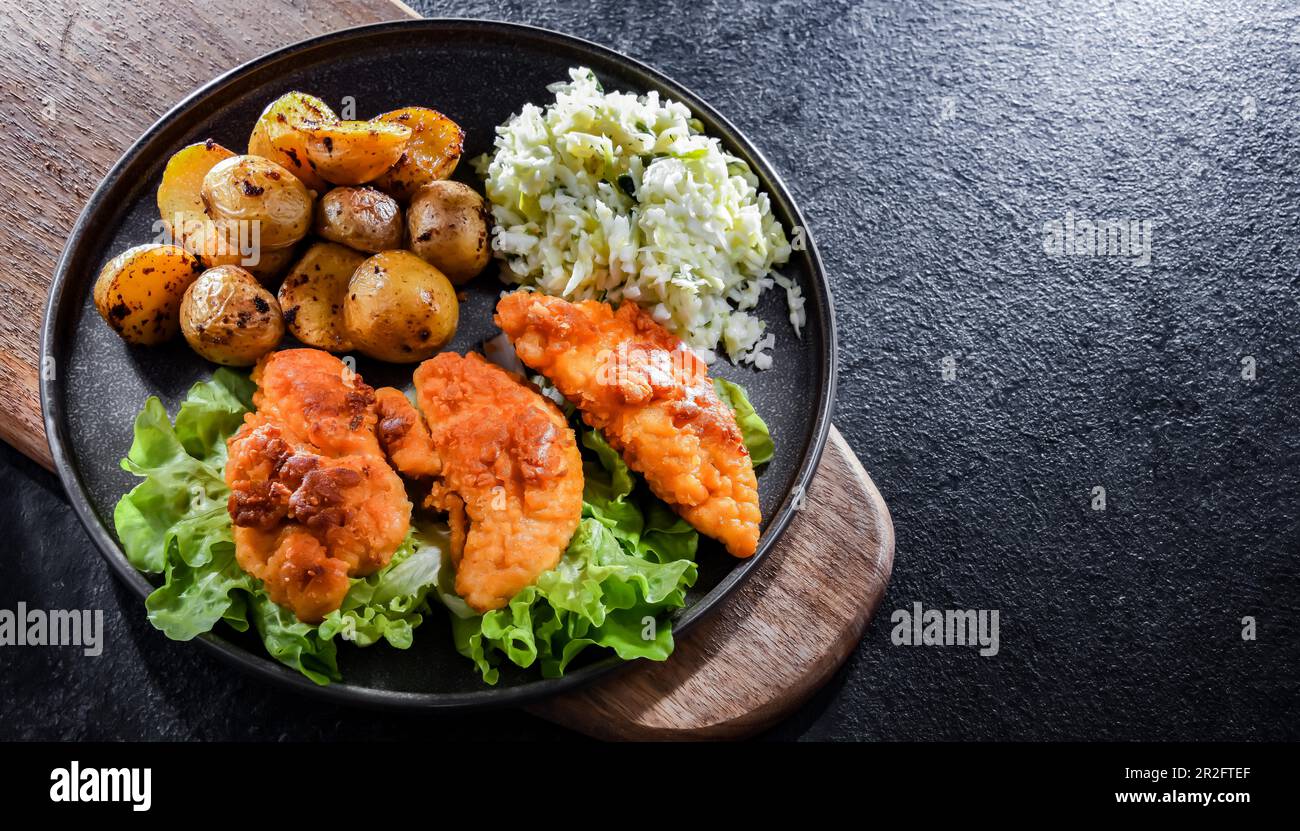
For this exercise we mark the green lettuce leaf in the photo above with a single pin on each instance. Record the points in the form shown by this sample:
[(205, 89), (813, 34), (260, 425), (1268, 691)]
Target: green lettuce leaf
[(626, 569), (391, 603), (292, 642), (607, 486), (600, 594), (752, 428)]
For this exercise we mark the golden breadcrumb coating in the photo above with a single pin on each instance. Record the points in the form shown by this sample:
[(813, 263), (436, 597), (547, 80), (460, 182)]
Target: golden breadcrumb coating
[(504, 466), (651, 397), (313, 499)]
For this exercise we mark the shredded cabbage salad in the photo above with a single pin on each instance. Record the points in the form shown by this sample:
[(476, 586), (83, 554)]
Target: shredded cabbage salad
[(614, 196)]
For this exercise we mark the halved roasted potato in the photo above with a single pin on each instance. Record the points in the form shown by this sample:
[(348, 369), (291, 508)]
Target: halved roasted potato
[(277, 135), (431, 154), (230, 318), (354, 152), (180, 201), (139, 291), (399, 308), (273, 205), (312, 295)]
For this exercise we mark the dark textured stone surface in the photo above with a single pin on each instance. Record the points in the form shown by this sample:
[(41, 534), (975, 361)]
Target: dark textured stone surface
[(927, 147)]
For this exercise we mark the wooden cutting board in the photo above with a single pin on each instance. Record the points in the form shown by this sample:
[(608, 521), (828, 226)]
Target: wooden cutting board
[(82, 82)]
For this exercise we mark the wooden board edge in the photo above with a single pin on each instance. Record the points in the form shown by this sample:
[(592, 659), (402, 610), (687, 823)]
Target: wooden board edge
[(406, 10), (34, 447), (767, 717)]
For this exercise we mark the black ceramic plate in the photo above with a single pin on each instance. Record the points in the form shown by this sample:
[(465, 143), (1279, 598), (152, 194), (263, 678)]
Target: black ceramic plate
[(479, 73)]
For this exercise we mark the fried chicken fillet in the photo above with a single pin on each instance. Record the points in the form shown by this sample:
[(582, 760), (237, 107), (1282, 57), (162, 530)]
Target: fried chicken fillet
[(313, 498), (652, 398), (503, 464)]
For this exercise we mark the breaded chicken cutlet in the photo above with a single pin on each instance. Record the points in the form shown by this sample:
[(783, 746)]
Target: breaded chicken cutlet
[(501, 461), (652, 398), (313, 499)]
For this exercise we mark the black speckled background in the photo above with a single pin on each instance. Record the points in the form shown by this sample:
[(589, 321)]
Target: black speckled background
[(927, 145)]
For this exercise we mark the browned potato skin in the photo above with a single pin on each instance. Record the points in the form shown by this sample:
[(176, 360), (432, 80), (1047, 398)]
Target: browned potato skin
[(362, 218), (214, 242), (179, 192), (312, 294), (447, 224), (139, 292), (251, 189), (354, 152), (278, 136), (269, 266), (399, 308), (230, 318), (431, 155), (180, 203)]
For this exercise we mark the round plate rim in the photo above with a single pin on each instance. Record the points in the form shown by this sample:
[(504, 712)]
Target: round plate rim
[(263, 666)]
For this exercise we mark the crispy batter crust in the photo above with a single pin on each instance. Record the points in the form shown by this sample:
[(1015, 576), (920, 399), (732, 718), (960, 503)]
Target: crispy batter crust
[(652, 399), (506, 470), (312, 497)]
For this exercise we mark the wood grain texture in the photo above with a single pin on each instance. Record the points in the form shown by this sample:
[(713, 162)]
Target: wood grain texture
[(777, 639), (81, 82)]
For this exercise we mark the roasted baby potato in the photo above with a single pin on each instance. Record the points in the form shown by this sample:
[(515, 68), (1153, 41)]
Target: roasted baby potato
[(430, 156), (269, 266), (139, 291), (230, 318), (362, 218), (180, 201), (354, 152), (312, 294), (182, 180), (215, 242), (447, 224), (277, 135), (399, 308), (273, 204)]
